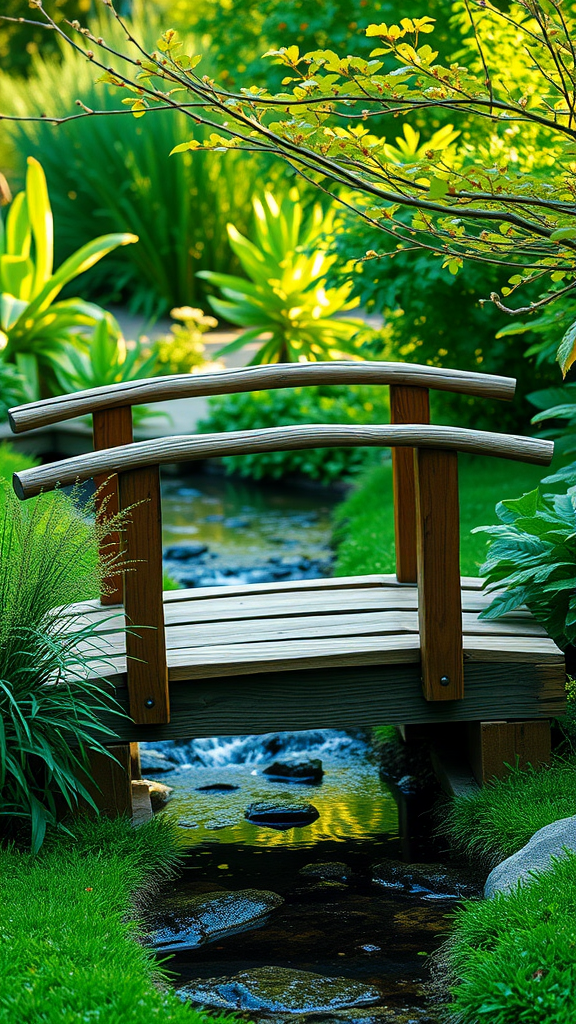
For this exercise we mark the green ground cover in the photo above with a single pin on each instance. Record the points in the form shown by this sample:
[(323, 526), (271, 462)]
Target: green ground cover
[(364, 524), (68, 928), (512, 959)]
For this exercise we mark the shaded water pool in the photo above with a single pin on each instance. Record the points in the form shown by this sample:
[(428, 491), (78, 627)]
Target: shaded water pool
[(342, 904)]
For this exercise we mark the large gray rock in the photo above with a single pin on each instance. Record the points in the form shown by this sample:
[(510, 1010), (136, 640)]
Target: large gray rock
[(280, 990), (537, 855), (430, 881), (198, 919)]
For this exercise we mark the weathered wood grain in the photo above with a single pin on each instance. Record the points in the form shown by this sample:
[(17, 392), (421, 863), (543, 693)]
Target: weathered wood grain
[(344, 698), (439, 599), (256, 378), (407, 405), (110, 428), (496, 747), (301, 437), (145, 639)]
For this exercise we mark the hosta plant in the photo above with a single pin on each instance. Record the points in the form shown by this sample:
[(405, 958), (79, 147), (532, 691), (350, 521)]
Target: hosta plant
[(285, 298), (36, 331), (49, 703), (532, 559), (558, 404)]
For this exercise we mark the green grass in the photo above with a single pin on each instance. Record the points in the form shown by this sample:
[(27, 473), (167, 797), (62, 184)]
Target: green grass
[(68, 938), (502, 816), (364, 530), (512, 959)]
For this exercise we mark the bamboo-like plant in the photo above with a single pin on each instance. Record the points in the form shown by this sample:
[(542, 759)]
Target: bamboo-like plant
[(51, 660)]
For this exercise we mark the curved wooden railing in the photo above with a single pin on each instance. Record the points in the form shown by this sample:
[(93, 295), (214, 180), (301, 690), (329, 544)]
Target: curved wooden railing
[(256, 378), (189, 448), (437, 532)]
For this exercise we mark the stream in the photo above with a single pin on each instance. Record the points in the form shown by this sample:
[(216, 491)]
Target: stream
[(311, 891)]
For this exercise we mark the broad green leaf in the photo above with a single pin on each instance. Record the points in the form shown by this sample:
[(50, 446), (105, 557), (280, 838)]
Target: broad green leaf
[(41, 223), (16, 276), (566, 355), (560, 233), (18, 233), (438, 188), (82, 260)]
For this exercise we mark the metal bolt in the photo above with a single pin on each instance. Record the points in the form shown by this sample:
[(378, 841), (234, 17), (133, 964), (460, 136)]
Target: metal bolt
[(149, 703), (444, 681)]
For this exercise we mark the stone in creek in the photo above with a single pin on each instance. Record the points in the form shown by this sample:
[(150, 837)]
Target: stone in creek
[(182, 552), (191, 921), (159, 794), (237, 523), (431, 881), (280, 990), (330, 870), (281, 816), (153, 761), (296, 771), (216, 787)]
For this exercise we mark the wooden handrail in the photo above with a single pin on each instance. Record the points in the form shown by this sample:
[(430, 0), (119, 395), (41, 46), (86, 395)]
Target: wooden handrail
[(256, 378), (186, 448)]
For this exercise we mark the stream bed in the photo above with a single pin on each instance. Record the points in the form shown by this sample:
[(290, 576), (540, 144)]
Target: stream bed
[(310, 892)]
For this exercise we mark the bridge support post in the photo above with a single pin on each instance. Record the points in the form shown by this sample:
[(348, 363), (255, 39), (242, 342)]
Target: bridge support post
[(407, 405), (439, 597), (495, 747)]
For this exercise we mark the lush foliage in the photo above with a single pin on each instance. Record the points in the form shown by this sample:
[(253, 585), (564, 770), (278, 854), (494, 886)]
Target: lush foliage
[(364, 526), (113, 172), (501, 193), (285, 298), (335, 404), (36, 332), (558, 404), (511, 958), (502, 816), (182, 351), (532, 558), (19, 42), (48, 706), (106, 359), (69, 936)]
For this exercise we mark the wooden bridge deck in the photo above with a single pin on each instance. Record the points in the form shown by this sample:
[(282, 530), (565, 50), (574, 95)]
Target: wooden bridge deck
[(308, 624), (325, 653)]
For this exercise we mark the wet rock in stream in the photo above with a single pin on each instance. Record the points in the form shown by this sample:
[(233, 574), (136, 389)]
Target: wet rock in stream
[(280, 990), (281, 816), (309, 772), (330, 870), (195, 919), (431, 881)]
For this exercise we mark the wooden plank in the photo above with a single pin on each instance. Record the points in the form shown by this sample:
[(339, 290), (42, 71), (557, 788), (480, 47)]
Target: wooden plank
[(145, 640), (109, 785), (439, 596), (110, 428), (301, 437), (496, 747), (407, 405), (283, 605), (255, 378), (453, 772), (191, 635), (345, 698), (295, 655)]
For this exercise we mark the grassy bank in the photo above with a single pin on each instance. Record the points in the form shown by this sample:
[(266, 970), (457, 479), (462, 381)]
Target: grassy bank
[(512, 959), (364, 531), (68, 934)]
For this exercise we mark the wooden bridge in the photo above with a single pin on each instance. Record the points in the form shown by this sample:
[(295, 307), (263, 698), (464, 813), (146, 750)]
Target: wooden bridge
[(408, 649)]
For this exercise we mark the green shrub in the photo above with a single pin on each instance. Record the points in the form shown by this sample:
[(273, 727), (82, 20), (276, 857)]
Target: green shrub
[(498, 819), (48, 705), (285, 299), (532, 559), (336, 404), (511, 959), (117, 174)]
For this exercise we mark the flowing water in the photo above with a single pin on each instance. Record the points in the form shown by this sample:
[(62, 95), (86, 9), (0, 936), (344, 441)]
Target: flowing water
[(326, 916)]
